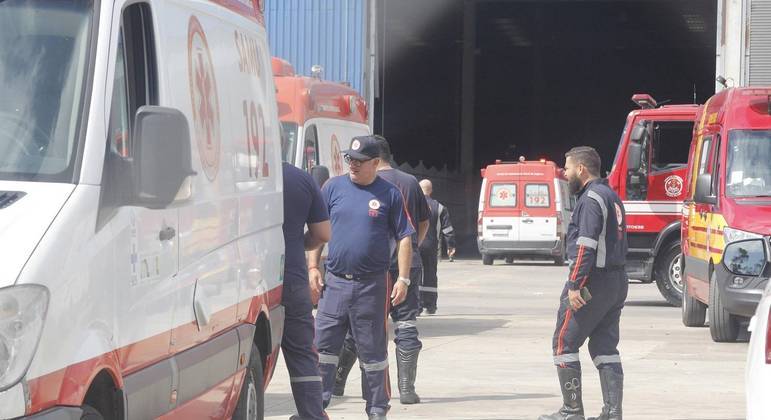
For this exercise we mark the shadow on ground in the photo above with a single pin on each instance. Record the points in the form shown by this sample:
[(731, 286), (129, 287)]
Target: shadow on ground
[(449, 326)]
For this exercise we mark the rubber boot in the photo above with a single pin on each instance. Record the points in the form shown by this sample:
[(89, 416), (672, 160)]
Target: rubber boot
[(344, 365), (407, 369), (376, 416), (572, 405), (612, 385)]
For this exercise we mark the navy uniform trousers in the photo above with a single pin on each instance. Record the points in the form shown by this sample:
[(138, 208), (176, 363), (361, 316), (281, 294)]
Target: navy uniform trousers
[(598, 321), (361, 304), (299, 354)]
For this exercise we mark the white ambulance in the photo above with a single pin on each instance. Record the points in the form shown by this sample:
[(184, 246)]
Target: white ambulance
[(319, 118), (140, 209)]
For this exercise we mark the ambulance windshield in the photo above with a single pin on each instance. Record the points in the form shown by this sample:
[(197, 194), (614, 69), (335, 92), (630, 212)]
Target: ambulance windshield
[(289, 142), (748, 171), (44, 47)]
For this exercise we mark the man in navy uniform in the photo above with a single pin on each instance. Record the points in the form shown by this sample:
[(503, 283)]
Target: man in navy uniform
[(368, 219), (440, 226), (303, 205), (405, 315), (597, 247)]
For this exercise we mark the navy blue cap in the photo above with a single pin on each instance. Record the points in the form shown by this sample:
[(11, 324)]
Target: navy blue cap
[(363, 148)]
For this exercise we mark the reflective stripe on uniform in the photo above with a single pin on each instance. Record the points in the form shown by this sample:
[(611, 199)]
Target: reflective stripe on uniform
[(428, 289), (566, 358), (586, 241), (328, 359), (601, 240), (300, 379), (448, 230), (601, 360), (374, 367), (406, 324)]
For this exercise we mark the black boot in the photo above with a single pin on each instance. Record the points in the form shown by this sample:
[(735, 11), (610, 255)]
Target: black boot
[(407, 364), (344, 365), (572, 406), (375, 416), (612, 385)]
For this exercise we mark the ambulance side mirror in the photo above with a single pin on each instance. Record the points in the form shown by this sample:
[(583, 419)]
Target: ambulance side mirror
[(163, 166), (703, 193), (634, 157), (320, 174)]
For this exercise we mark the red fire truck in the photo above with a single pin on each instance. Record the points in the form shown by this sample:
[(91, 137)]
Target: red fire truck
[(648, 174)]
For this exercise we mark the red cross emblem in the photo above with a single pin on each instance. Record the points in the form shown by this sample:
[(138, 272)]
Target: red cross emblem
[(204, 99)]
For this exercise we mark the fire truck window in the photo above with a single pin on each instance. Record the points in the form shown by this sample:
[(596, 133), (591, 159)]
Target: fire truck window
[(503, 195), (748, 170), (671, 144), (704, 158), (537, 195), (311, 148)]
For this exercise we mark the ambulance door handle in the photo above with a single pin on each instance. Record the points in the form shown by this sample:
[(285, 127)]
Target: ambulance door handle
[(167, 234)]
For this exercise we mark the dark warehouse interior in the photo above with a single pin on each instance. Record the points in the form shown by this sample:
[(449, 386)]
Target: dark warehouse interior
[(548, 74)]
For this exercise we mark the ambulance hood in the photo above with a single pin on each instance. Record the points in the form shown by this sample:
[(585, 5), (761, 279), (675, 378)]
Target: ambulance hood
[(27, 209)]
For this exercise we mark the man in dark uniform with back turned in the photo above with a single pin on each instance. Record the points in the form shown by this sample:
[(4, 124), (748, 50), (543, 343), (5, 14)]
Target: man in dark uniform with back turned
[(439, 226), (405, 315), (368, 218), (597, 247), (303, 205)]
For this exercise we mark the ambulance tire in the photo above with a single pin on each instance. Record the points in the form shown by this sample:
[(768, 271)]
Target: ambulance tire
[(487, 259), (560, 259), (723, 326), (509, 260), (90, 413), (694, 312), (665, 280), (251, 402)]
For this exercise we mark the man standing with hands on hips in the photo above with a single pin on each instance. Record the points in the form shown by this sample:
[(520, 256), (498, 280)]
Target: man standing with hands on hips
[(591, 302), (368, 217)]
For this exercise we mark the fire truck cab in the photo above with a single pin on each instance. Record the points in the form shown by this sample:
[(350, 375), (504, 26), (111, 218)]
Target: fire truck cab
[(648, 174), (319, 119), (729, 200), (524, 211)]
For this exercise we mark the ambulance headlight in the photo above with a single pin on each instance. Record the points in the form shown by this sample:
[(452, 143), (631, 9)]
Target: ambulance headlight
[(22, 312), (733, 235)]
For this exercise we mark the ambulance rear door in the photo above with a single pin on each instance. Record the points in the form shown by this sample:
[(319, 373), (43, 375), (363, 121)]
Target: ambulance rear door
[(538, 224), (500, 218)]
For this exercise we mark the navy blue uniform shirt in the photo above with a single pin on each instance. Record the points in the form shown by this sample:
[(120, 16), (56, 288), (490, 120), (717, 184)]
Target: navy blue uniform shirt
[(302, 204), (597, 232), (417, 208), (366, 220)]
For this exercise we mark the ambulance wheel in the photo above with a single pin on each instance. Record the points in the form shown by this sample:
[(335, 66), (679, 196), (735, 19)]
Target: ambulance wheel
[(90, 413), (251, 402), (487, 259), (560, 259), (509, 260), (669, 274), (723, 326), (694, 312)]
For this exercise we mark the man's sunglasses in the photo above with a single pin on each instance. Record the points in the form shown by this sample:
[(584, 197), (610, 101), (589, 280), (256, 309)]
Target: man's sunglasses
[(351, 161)]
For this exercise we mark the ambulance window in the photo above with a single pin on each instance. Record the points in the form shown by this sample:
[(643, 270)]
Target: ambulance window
[(503, 195), (134, 85), (537, 195), (671, 144), (311, 148)]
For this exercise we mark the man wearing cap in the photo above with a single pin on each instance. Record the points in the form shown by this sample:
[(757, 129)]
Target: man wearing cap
[(368, 218), (405, 315)]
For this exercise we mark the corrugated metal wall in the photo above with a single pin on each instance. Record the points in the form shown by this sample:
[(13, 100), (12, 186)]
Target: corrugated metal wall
[(759, 69), (331, 33)]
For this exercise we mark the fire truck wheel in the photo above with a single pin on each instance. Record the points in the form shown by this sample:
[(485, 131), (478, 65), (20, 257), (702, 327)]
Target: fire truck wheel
[(669, 275), (251, 402), (90, 413), (723, 326), (694, 312)]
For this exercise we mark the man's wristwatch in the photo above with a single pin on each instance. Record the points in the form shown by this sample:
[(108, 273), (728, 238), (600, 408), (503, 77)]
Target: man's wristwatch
[(405, 280)]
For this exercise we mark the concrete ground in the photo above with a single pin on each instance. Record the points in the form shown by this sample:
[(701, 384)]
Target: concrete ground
[(487, 355)]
